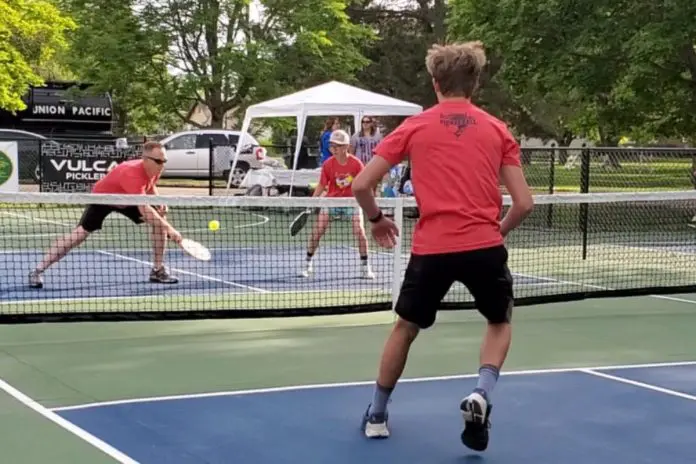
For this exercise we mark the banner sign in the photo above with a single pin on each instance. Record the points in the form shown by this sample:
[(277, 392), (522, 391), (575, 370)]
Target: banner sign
[(9, 179), (76, 167), (68, 112)]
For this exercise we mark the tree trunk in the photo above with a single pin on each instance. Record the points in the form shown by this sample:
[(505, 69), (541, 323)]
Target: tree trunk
[(217, 117), (611, 159)]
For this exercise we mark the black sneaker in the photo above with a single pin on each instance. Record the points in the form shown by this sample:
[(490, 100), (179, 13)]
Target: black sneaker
[(161, 276), (476, 412), (35, 279)]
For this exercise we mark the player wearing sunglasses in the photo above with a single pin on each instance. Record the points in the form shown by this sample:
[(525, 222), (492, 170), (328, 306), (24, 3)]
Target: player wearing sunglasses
[(134, 177)]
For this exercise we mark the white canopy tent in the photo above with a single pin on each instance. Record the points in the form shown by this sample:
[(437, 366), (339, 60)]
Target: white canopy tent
[(329, 99)]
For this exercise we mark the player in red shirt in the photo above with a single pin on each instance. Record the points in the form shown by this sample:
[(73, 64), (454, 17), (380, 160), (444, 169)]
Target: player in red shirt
[(135, 177), (458, 154), (337, 174)]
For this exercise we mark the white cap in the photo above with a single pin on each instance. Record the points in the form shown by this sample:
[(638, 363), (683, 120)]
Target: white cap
[(340, 137)]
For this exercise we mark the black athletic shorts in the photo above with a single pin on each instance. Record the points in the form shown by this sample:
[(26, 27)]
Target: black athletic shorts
[(428, 278), (94, 215)]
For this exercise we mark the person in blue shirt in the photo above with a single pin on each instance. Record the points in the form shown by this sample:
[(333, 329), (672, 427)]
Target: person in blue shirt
[(330, 125)]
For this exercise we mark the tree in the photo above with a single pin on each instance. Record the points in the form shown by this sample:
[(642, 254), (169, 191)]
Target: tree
[(623, 68), (229, 53), (31, 32), (397, 59), (115, 51)]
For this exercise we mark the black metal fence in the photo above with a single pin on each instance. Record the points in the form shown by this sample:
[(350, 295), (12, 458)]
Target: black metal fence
[(74, 165), (559, 170)]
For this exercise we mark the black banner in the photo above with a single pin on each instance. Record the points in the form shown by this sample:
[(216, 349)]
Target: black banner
[(76, 167)]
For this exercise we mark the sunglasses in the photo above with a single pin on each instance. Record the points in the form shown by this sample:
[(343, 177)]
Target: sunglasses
[(157, 160), (367, 121)]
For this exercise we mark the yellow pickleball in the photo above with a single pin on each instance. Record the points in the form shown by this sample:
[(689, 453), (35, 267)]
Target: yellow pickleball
[(213, 225)]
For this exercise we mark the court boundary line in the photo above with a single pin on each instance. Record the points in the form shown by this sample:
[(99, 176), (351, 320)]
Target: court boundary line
[(181, 271), (264, 220), (553, 281), (128, 297), (636, 383), (65, 424), (127, 258), (362, 383), (363, 291), (657, 249)]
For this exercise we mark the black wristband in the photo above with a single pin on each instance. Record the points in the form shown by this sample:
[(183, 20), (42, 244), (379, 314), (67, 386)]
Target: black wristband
[(376, 218)]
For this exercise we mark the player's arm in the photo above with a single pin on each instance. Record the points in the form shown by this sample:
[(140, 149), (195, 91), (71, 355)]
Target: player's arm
[(513, 178), (366, 183), (162, 209), (323, 181), (390, 151), (147, 212), (321, 188), (152, 217)]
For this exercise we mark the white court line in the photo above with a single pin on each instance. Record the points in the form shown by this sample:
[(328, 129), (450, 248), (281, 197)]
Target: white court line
[(30, 218), (364, 383), (20, 301), (635, 383), (299, 248), (264, 219), (655, 249), (127, 258), (67, 425), (552, 281), (106, 237), (181, 271), (139, 297)]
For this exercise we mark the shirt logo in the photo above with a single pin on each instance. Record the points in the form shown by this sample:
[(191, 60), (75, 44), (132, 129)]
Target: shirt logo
[(459, 121), (344, 180)]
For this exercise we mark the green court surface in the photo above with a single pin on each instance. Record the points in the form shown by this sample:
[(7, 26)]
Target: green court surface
[(563, 251), (69, 364)]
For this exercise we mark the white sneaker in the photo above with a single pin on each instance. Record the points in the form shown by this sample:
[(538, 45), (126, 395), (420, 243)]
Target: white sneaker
[(308, 269), (375, 425), (367, 272)]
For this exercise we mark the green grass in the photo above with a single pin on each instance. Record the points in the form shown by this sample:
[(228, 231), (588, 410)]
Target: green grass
[(658, 175)]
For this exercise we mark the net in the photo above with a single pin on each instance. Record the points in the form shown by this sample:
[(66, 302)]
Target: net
[(572, 246)]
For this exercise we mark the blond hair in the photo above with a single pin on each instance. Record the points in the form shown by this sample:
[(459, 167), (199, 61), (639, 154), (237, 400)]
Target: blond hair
[(457, 67)]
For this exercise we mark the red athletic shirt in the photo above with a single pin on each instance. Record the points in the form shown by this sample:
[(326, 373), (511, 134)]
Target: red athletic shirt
[(456, 151), (338, 177), (128, 177)]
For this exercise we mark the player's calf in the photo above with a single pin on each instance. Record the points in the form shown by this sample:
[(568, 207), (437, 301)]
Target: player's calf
[(359, 232)]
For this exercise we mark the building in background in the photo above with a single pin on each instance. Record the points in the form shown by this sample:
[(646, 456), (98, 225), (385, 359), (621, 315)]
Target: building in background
[(63, 110)]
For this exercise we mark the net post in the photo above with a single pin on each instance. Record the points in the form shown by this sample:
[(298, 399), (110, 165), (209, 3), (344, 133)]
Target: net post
[(41, 165), (396, 257), (584, 188), (211, 164), (552, 185)]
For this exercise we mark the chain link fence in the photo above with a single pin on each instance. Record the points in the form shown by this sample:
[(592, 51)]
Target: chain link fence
[(548, 170)]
